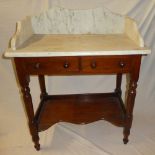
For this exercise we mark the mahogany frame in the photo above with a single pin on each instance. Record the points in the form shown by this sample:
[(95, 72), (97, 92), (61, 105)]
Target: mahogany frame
[(130, 64)]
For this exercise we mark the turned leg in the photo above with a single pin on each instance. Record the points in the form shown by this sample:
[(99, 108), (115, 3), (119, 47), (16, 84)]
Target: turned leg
[(134, 75), (24, 80), (118, 84), (30, 112), (129, 109), (42, 86)]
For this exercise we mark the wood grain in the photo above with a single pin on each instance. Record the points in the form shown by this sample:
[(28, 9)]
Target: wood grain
[(81, 108)]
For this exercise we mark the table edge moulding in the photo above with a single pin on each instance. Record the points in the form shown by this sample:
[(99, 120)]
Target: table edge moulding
[(77, 42)]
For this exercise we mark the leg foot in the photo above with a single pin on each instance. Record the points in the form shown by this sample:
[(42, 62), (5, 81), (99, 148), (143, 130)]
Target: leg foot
[(37, 146), (36, 142), (35, 136), (126, 133), (125, 141)]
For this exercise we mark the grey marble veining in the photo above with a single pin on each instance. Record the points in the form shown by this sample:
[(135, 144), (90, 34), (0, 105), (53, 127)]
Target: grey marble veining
[(67, 21)]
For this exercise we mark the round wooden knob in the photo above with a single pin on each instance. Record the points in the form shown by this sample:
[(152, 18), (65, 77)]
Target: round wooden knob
[(37, 65), (122, 64), (66, 65), (93, 65)]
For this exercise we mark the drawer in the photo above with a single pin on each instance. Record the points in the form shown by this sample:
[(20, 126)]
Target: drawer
[(106, 64), (51, 65)]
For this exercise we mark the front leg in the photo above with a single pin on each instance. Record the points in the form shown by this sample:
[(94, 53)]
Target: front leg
[(129, 109), (30, 112), (134, 76), (24, 80)]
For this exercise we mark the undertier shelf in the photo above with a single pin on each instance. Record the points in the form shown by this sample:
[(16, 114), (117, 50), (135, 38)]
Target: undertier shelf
[(80, 109)]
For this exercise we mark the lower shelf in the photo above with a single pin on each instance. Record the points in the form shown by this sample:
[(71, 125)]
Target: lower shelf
[(81, 108)]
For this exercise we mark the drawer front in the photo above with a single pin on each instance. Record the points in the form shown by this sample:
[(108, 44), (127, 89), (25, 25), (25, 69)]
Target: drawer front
[(106, 64), (52, 65)]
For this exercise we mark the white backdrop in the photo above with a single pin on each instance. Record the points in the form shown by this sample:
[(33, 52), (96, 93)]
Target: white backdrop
[(96, 138)]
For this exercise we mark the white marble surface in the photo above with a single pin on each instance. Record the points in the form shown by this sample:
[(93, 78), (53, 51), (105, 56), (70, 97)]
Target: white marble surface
[(60, 21), (77, 45), (67, 21), (20, 53), (23, 32)]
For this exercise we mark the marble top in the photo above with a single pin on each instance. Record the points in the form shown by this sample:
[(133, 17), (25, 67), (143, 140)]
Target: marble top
[(58, 20), (77, 45), (67, 32)]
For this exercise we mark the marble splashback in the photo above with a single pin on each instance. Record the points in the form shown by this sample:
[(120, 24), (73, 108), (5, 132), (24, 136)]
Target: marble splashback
[(67, 21)]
